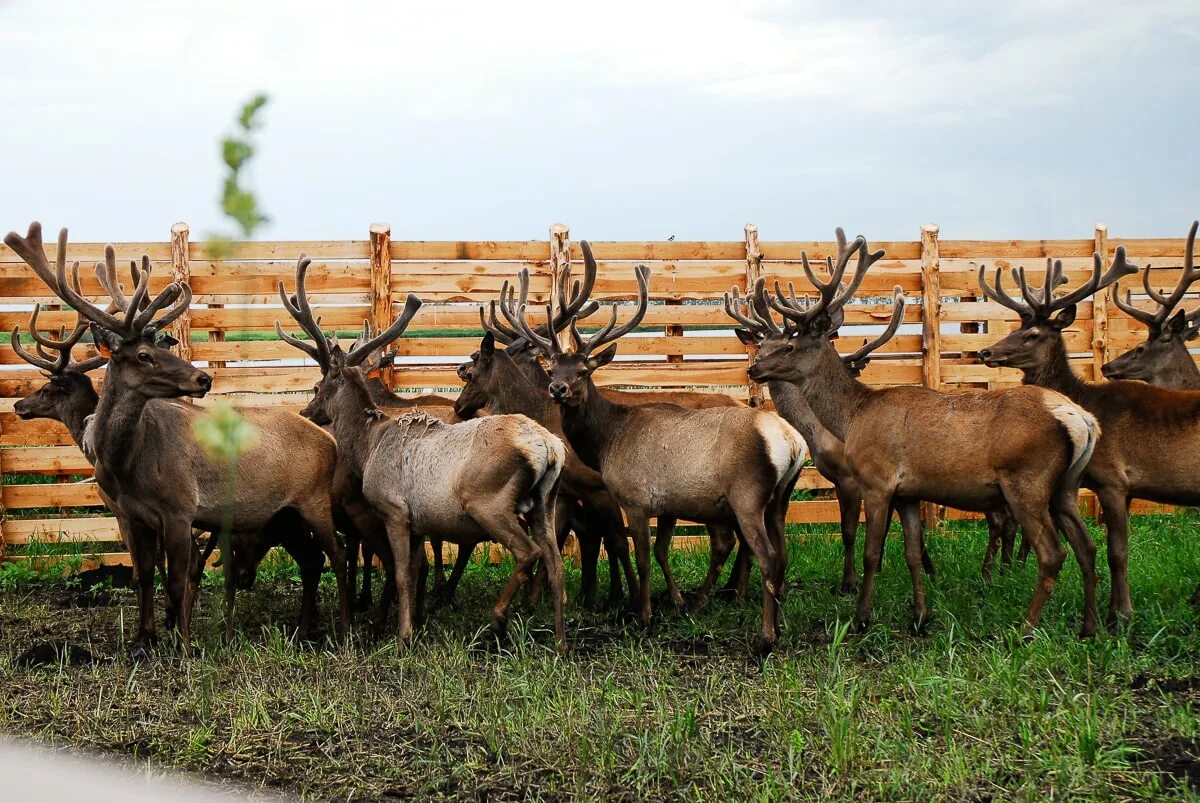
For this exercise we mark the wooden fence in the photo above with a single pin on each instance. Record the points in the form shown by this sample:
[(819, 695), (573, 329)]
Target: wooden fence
[(685, 340)]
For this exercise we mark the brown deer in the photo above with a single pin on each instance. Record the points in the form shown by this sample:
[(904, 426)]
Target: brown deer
[(905, 445), (733, 466), (461, 482), (525, 358), (1136, 419), (828, 453), (373, 369), (1163, 359), (70, 398), (147, 458)]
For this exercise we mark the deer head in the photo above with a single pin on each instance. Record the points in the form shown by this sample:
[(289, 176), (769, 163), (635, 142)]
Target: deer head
[(790, 352), (68, 395), (1163, 358), (1038, 341), (571, 372), (129, 340), (338, 368)]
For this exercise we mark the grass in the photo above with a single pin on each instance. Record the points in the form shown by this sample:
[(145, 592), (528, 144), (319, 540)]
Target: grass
[(968, 711)]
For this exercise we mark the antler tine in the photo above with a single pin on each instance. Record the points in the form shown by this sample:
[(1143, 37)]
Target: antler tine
[(363, 350), (1000, 295), (139, 294), (580, 293), (63, 341), (298, 307), (106, 272), (859, 359), (865, 260), (33, 359), (31, 249), (611, 332), (733, 303), (547, 345), (492, 324), (1119, 267), (1153, 320), (292, 340)]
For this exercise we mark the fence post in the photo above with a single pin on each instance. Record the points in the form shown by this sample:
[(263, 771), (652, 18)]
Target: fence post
[(381, 284), (931, 333), (1100, 309), (181, 271), (560, 259), (754, 391)]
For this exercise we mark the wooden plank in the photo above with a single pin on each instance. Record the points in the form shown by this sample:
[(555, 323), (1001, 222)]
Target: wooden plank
[(754, 257), (931, 333), (70, 494), (1100, 301), (92, 528), (1015, 249), (91, 253), (283, 249), (181, 327), (44, 460)]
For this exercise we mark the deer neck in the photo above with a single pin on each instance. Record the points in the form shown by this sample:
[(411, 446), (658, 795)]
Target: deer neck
[(1056, 374), (118, 430), (80, 406), (356, 423), (592, 426), (381, 394), (833, 396), (1181, 373), (790, 403), (512, 391)]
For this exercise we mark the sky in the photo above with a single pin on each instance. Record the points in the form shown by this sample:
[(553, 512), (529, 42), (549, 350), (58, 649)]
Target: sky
[(625, 120)]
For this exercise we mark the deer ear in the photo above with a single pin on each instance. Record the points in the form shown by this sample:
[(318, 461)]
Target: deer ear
[(602, 359), (487, 346), (822, 324), (1063, 318), (746, 336), (104, 345), (1175, 326), (374, 373)]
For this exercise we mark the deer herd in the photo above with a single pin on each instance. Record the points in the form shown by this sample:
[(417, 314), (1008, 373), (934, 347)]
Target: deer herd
[(532, 449)]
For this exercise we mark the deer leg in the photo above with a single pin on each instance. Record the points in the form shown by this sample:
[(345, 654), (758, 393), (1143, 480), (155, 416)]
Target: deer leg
[(849, 505), (1114, 505), (639, 530), (368, 577), (758, 539), (563, 530), (181, 582), (439, 568), (604, 515), (738, 584), (879, 512), (662, 550), (775, 517), (418, 570), (1066, 515), (568, 517), (461, 561), (1008, 537), (910, 523), (387, 594), (399, 539), (509, 532), (353, 546), (304, 550), (318, 515), (542, 524), (720, 544), (1039, 529), (143, 544), (995, 539)]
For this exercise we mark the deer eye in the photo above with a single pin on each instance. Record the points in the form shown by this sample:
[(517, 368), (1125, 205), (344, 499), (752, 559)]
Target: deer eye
[(145, 357)]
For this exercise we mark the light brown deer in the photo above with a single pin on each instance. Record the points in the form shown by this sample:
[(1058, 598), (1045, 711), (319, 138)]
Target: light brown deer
[(1021, 447), (1130, 461), (732, 466), (1163, 359), (462, 482), (147, 458)]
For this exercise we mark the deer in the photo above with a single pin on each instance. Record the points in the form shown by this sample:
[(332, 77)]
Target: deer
[(905, 445), (1136, 418), (490, 378), (463, 482), (373, 368), (730, 466), (70, 398), (1163, 359), (757, 324), (147, 458)]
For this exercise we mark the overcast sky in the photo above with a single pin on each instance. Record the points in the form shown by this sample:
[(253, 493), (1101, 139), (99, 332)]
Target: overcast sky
[(626, 120)]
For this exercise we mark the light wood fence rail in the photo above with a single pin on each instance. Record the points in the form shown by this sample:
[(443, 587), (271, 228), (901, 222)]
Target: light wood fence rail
[(685, 340)]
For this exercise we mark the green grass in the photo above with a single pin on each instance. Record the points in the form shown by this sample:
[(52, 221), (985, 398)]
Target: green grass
[(968, 711)]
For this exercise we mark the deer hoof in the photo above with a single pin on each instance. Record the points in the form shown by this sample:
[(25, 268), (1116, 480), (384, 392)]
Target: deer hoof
[(763, 647)]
